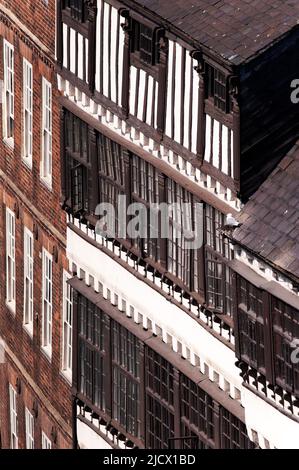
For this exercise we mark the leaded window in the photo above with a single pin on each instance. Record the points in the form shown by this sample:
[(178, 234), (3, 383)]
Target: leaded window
[(144, 42), (216, 87), (233, 432), (197, 411), (218, 284), (91, 322), (111, 179), (179, 255), (76, 163), (159, 400), (251, 324), (126, 387), (286, 330), (78, 9), (145, 188)]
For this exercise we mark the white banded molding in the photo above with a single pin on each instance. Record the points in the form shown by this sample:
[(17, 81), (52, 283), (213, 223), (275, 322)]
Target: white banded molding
[(121, 127), (75, 52), (182, 97), (109, 52)]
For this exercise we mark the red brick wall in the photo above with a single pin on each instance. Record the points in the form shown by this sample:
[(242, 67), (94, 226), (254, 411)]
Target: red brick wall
[(38, 16), (37, 207)]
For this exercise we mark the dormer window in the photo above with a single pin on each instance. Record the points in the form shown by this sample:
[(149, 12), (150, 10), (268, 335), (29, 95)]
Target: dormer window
[(216, 87), (78, 9)]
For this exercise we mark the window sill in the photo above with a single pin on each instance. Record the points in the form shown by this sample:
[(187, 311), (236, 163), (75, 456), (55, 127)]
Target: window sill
[(9, 142), (27, 162), (67, 375), (47, 351), (11, 306), (47, 182), (29, 329)]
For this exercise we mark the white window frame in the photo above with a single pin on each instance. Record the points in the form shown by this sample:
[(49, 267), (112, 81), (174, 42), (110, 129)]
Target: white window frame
[(27, 112), (8, 92), (46, 157), (46, 442), (13, 417), (29, 429), (28, 280), (67, 318), (10, 260), (47, 298)]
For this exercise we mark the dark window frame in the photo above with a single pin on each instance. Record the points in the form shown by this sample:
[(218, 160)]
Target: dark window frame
[(197, 414), (218, 275), (250, 319), (159, 387), (233, 433), (145, 45), (126, 377), (217, 88), (145, 190), (285, 324), (91, 350), (77, 9), (111, 174), (76, 156)]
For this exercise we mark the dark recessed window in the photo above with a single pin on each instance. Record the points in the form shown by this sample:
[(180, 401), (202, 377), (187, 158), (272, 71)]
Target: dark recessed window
[(219, 284), (285, 329), (76, 162), (159, 400), (78, 9), (197, 410), (216, 87), (218, 274), (145, 42), (251, 324), (111, 180), (126, 387), (145, 188), (91, 352), (233, 432)]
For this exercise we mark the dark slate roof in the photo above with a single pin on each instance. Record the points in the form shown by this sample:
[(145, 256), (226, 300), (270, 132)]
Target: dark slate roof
[(235, 29), (270, 219)]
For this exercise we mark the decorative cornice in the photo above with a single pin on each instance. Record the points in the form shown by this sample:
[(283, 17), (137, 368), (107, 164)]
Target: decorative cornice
[(25, 38)]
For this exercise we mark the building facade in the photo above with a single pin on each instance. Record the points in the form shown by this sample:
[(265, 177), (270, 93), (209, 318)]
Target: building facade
[(168, 103), (35, 390), (127, 338)]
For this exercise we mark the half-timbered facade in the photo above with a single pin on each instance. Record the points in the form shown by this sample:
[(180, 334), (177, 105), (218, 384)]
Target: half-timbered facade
[(160, 110)]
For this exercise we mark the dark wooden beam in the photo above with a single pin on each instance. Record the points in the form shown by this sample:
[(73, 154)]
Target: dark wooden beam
[(268, 338), (93, 171), (62, 156), (177, 407), (75, 357), (142, 400), (234, 93), (108, 365), (126, 62), (59, 34), (216, 421), (92, 15), (162, 87)]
